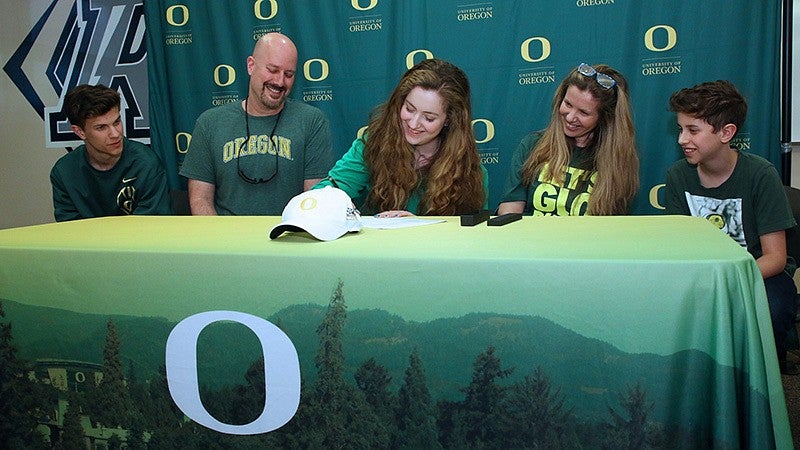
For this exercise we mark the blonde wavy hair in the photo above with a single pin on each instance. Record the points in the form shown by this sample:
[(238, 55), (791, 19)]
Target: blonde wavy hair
[(454, 179), (615, 158)]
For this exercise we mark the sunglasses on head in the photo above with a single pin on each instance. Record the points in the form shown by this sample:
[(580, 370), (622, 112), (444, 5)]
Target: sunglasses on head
[(605, 81)]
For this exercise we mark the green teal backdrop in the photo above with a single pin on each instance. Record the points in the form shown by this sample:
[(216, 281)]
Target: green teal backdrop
[(515, 52)]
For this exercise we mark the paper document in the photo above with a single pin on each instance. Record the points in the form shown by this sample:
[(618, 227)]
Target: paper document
[(389, 223)]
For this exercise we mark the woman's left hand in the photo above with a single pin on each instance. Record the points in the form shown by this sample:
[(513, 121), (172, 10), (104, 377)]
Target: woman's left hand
[(393, 213)]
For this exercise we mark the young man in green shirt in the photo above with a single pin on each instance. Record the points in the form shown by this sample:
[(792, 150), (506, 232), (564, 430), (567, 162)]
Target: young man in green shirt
[(108, 175)]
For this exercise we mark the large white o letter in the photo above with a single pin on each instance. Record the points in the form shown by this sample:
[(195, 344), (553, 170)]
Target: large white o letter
[(281, 372)]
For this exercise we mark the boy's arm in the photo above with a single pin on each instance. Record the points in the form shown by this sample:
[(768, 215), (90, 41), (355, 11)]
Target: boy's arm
[(773, 257)]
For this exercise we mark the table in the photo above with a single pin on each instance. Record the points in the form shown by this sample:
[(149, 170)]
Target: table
[(664, 309)]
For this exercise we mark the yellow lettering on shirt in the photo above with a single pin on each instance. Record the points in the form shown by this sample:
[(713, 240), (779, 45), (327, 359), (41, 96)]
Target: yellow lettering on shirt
[(257, 145), (570, 197), (544, 198), (285, 147)]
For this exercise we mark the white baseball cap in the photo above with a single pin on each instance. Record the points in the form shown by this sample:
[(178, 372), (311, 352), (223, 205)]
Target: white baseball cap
[(326, 214)]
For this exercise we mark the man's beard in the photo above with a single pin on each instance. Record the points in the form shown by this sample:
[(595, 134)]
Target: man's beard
[(268, 101)]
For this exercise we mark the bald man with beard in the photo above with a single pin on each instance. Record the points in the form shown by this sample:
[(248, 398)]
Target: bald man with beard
[(251, 157)]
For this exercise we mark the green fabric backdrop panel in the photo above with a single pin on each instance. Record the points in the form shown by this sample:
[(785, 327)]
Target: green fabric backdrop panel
[(352, 53)]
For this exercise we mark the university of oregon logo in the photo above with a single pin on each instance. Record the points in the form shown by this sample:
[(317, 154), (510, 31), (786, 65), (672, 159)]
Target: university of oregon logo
[(369, 4), (179, 31), (653, 196), (488, 134), (717, 220), (320, 69), (411, 56), (316, 70), (224, 75), (308, 204), (542, 44), (370, 22), (265, 9), (668, 38), (182, 141), (126, 199), (281, 371), (177, 15)]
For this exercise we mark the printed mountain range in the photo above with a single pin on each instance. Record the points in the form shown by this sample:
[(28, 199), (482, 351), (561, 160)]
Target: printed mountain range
[(591, 374)]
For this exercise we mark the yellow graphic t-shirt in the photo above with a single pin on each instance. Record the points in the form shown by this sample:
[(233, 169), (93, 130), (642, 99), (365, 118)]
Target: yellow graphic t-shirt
[(548, 196)]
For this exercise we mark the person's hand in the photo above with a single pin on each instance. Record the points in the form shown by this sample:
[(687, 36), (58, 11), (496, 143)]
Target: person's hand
[(393, 213)]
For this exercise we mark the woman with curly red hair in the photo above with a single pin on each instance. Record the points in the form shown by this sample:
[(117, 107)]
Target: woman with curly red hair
[(418, 155)]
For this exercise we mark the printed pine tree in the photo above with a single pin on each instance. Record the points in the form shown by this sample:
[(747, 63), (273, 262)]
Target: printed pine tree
[(416, 423), (373, 380), (20, 397), (110, 402), (335, 414), (535, 416), (72, 437), (637, 431), (483, 399)]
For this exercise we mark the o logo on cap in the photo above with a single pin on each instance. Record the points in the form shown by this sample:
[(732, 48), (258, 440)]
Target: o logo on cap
[(308, 204)]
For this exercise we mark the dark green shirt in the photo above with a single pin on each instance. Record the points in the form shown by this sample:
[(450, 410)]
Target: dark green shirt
[(137, 184), (748, 205)]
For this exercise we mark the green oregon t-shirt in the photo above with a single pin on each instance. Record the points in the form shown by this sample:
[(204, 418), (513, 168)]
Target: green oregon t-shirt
[(300, 149)]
